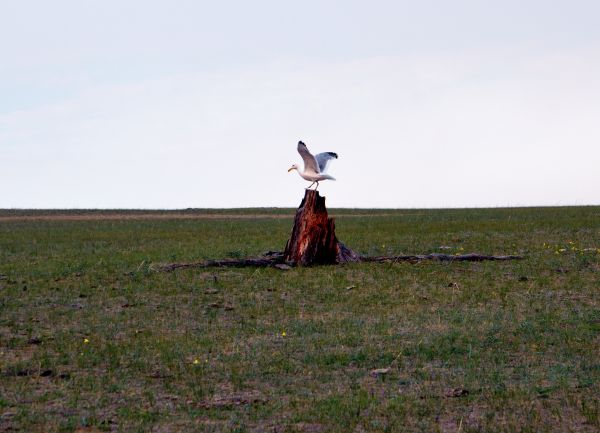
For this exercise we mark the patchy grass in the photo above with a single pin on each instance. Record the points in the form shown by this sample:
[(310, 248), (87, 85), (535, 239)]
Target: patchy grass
[(91, 340)]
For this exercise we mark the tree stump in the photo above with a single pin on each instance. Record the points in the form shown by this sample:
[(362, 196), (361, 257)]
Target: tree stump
[(313, 240)]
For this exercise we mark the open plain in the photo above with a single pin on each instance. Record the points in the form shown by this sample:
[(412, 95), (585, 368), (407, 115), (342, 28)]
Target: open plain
[(92, 339)]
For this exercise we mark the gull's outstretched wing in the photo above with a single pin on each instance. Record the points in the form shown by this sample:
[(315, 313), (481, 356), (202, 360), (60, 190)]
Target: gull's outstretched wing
[(323, 159), (310, 163)]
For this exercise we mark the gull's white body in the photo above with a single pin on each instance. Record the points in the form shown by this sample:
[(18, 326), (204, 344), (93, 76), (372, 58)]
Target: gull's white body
[(314, 177), (314, 165)]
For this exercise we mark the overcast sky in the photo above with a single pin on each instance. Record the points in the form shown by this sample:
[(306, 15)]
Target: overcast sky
[(176, 104)]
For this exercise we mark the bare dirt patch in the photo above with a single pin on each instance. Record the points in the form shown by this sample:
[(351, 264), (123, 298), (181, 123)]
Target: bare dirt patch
[(93, 216), (135, 216)]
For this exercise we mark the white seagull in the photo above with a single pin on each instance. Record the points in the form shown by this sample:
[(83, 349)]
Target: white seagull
[(314, 166)]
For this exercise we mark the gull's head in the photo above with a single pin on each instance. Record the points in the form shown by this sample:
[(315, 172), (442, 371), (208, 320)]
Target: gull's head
[(293, 167)]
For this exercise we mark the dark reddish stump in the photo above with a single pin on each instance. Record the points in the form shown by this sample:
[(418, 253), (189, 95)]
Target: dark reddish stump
[(313, 240)]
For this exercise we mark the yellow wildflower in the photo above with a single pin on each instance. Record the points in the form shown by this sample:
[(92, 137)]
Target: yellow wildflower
[(86, 341)]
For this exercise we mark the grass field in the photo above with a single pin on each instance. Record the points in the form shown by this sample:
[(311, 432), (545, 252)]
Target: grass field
[(92, 340)]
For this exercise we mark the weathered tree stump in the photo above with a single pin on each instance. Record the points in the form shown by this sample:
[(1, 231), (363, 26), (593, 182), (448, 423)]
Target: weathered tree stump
[(313, 240)]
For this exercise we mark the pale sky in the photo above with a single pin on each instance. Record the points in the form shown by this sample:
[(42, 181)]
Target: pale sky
[(177, 104)]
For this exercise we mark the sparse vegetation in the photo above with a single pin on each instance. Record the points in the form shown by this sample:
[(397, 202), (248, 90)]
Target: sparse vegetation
[(92, 340)]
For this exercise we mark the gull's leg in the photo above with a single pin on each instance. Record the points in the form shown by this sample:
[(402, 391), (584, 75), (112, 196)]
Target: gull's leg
[(310, 185), (317, 187)]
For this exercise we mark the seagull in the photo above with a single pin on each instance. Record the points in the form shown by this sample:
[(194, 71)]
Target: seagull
[(314, 165)]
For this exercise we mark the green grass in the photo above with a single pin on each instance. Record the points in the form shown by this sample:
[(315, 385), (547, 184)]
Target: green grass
[(492, 346)]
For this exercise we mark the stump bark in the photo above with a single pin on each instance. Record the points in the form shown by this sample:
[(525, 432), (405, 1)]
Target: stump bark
[(313, 240)]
